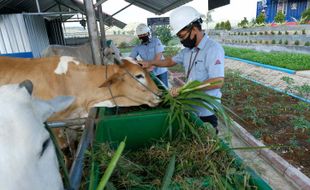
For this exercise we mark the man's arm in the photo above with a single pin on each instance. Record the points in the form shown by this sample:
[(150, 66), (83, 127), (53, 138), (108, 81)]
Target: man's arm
[(218, 81), (158, 56), (168, 62)]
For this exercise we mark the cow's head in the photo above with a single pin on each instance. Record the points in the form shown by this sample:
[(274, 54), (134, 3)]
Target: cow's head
[(28, 159), (131, 86)]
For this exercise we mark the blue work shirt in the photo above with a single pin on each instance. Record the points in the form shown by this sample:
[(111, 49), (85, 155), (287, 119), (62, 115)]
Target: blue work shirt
[(148, 51), (209, 63)]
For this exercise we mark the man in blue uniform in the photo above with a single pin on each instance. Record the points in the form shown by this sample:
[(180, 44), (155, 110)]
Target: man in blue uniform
[(150, 48), (202, 57)]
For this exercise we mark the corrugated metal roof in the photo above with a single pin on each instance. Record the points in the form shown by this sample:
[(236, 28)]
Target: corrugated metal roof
[(159, 6), (29, 6)]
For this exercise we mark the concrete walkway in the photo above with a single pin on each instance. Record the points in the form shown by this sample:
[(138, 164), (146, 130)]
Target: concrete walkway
[(253, 159), (269, 77)]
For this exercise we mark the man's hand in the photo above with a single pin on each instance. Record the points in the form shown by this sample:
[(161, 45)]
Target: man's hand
[(174, 91), (145, 64)]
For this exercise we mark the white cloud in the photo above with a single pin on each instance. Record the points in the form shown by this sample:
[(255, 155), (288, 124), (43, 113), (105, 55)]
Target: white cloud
[(234, 12)]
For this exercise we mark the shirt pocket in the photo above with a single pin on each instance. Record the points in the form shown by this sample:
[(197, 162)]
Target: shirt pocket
[(201, 73)]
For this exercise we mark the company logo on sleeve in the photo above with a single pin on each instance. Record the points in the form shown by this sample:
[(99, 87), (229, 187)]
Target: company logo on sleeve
[(217, 62)]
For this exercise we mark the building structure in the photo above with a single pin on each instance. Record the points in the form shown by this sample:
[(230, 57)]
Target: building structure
[(292, 9)]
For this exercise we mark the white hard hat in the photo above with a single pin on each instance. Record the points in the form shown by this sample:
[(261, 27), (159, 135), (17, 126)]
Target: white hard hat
[(181, 17), (142, 29)]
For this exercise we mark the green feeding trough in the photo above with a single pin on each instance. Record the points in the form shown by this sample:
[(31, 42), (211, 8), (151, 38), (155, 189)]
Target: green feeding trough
[(142, 126)]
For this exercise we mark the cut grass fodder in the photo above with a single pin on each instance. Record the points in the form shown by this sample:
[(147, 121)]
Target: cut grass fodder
[(177, 164)]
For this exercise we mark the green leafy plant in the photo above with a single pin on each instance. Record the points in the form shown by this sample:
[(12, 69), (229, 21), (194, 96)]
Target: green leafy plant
[(296, 42), (273, 41), (293, 142), (272, 33), (303, 90), (227, 25), (301, 107), (295, 33), (244, 23), (280, 17), (261, 18), (307, 44), (280, 41), (289, 81), (303, 31), (111, 166), (164, 34), (301, 123), (171, 51), (292, 61), (305, 16), (286, 33), (286, 42), (279, 33), (191, 95)]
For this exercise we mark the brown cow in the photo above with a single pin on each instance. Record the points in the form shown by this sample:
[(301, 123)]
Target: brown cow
[(63, 76)]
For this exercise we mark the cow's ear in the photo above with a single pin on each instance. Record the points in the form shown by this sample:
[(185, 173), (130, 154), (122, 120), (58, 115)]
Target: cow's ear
[(112, 79)]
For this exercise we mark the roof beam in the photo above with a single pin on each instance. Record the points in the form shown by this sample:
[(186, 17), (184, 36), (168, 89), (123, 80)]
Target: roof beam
[(174, 5), (100, 2)]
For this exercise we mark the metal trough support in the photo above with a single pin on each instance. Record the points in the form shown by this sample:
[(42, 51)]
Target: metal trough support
[(77, 166)]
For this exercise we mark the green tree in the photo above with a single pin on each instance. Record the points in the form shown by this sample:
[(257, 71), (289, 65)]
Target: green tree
[(164, 34), (280, 17), (222, 25), (217, 26), (123, 45), (134, 41), (244, 23), (227, 25), (261, 18)]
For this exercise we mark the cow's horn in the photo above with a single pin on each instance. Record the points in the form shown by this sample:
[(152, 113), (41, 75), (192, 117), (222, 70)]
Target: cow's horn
[(28, 85)]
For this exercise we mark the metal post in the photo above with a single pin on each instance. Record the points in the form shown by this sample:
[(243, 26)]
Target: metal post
[(102, 29), (77, 166), (38, 6), (93, 32)]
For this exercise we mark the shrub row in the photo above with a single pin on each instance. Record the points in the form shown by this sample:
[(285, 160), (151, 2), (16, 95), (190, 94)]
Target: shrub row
[(293, 61)]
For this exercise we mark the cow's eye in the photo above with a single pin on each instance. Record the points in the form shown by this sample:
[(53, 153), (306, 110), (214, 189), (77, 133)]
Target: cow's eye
[(44, 146), (139, 76)]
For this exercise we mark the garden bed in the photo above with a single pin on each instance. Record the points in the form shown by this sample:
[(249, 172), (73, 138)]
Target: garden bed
[(272, 117), (292, 61)]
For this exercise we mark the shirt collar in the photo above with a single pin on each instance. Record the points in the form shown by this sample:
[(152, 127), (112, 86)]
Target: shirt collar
[(201, 44), (203, 41)]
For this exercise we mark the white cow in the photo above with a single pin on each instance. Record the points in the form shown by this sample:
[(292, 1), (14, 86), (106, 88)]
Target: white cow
[(83, 52), (27, 156)]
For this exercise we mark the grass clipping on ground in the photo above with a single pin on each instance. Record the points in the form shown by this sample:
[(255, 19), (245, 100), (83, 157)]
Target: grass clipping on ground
[(193, 159)]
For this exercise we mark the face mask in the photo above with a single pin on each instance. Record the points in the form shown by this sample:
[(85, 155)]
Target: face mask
[(144, 39), (188, 42)]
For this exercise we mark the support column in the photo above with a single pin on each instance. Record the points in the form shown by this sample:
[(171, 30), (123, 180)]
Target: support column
[(93, 32)]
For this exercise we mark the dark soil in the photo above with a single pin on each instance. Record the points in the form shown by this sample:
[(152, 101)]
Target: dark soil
[(274, 118), (278, 120)]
